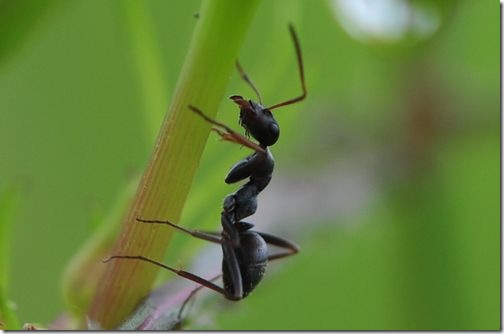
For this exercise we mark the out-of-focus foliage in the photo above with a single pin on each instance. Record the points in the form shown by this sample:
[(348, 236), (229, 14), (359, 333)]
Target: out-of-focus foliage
[(8, 203), (387, 176)]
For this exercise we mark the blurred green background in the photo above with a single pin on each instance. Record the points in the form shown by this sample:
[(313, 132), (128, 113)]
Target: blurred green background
[(387, 175)]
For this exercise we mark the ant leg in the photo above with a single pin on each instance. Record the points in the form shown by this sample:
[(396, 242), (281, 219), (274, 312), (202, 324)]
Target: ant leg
[(297, 46), (290, 247), (246, 78), (195, 233), (231, 239), (229, 134), (181, 273), (231, 262), (229, 230), (192, 294)]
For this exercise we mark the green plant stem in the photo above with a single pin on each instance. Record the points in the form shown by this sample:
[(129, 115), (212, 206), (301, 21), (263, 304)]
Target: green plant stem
[(146, 56), (162, 192), (81, 277)]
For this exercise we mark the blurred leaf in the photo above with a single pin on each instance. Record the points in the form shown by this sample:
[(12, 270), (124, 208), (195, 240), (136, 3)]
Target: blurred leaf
[(82, 274), (147, 58), (9, 201), (19, 20), (376, 271)]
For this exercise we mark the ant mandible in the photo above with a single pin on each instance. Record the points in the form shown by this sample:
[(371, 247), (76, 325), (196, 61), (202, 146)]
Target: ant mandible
[(245, 252)]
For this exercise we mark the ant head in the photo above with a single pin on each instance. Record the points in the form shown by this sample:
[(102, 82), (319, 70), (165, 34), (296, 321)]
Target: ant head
[(257, 121)]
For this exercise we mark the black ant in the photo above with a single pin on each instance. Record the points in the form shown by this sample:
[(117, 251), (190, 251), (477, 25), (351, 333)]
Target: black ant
[(259, 122), (245, 252)]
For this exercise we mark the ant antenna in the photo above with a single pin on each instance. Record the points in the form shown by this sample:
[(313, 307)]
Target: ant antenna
[(247, 80), (301, 71)]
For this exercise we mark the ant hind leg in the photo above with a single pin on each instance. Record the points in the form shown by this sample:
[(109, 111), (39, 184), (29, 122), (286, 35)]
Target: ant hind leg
[(182, 273), (290, 247), (192, 294)]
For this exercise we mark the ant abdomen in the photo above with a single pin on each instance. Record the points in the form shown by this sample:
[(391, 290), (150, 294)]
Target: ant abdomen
[(252, 258)]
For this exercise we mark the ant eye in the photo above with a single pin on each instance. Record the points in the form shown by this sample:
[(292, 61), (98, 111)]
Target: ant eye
[(274, 132), (274, 129)]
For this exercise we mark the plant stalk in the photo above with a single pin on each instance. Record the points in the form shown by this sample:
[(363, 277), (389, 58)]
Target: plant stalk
[(165, 184)]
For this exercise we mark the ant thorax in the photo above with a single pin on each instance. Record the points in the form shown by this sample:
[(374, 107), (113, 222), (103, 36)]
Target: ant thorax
[(264, 169)]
